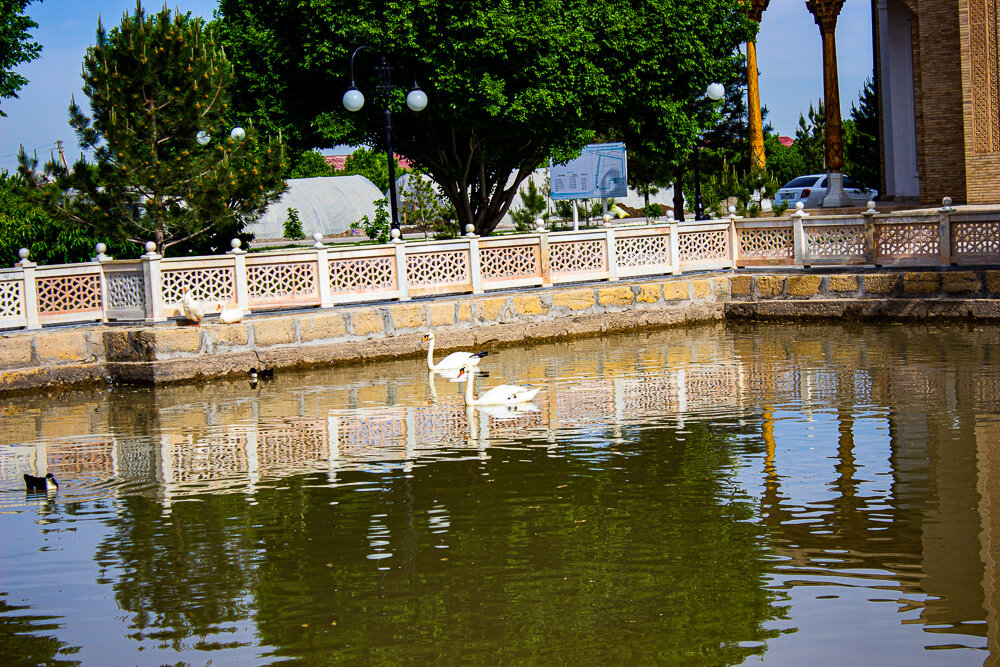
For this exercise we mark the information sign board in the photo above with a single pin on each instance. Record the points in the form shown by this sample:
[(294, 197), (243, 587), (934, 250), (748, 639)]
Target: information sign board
[(598, 173)]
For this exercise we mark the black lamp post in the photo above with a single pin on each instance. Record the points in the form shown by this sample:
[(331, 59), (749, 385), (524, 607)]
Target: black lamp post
[(416, 100), (714, 92)]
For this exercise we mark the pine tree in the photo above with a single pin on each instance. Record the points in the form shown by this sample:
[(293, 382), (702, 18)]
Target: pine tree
[(810, 138), (165, 167), (861, 151)]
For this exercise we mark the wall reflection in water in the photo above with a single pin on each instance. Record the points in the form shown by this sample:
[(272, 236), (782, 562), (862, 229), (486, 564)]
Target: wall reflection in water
[(872, 453)]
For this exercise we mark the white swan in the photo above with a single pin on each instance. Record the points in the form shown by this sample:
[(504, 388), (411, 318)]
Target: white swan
[(193, 309), (230, 315), (454, 361), (502, 394)]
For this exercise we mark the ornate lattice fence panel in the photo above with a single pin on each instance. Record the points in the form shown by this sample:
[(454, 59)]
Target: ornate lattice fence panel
[(439, 424), (437, 270), (589, 404), (509, 263), (10, 300), (703, 246), (220, 456), (578, 257), (126, 292), (361, 275), (93, 459), (286, 282), (648, 396), (68, 294), (637, 251), (372, 437), (766, 245), (711, 388), (285, 445), (975, 241), (205, 284), (835, 242), (911, 240)]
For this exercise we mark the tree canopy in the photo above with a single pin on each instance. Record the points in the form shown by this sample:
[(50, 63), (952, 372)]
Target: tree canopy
[(509, 83), (16, 46), (165, 166)]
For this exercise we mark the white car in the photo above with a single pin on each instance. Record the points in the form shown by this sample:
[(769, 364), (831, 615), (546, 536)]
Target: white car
[(811, 190)]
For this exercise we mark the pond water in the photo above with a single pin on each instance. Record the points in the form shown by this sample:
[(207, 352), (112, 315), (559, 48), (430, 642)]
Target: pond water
[(726, 494)]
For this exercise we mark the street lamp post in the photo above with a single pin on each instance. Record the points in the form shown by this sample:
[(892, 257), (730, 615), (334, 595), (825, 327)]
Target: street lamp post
[(714, 92), (416, 100)]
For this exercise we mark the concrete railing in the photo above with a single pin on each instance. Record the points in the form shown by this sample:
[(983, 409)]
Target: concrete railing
[(150, 288)]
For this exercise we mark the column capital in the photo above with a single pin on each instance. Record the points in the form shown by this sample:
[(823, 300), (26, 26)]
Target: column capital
[(825, 12), (755, 9)]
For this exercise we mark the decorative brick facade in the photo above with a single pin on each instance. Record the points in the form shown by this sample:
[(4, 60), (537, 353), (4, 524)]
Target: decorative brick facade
[(956, 92)]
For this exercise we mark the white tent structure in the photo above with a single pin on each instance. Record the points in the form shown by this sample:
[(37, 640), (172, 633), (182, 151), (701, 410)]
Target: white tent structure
[(325, 204)]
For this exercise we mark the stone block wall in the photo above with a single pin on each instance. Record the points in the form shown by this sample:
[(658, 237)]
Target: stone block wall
[(174, 351)]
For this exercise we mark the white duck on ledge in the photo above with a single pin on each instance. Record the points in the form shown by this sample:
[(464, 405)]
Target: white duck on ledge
[(193, 309), (230, 314)]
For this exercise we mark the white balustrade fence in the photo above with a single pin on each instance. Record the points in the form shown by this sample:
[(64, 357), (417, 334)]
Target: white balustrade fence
[(150, 289)]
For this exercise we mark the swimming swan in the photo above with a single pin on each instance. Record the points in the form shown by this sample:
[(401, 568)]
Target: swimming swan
[(454, 361), (502, 394)]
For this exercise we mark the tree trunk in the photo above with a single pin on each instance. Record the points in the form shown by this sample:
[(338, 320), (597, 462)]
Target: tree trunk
[(679, 194)]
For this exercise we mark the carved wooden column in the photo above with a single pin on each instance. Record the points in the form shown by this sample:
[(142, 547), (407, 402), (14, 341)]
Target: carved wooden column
[(826, 12), (755, 9)]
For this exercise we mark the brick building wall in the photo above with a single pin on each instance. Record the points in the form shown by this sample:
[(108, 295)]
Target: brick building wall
[(956, 90)]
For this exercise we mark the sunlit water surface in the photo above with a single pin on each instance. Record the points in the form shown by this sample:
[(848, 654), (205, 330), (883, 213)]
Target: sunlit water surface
[(787, 495)]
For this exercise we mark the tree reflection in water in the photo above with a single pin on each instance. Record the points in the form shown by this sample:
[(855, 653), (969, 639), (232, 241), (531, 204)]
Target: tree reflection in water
[(669, 501)]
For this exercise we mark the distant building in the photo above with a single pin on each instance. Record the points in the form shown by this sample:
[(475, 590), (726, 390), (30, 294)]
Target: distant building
[(339, 161), (325, 204)]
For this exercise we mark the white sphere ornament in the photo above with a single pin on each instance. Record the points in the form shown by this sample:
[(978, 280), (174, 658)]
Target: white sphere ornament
[(353, 99), (100, 248), (715, 91), (607, 218), (23, 253), (235, 244), (202, 137), (150, 246), (237, 134), (539, 224), (799, 206), (395, 233), (871, 205), (317, 236), (416, 99), (732, 210), (947, 202)]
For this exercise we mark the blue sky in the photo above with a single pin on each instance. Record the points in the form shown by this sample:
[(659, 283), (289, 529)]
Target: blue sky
[(788, 51)]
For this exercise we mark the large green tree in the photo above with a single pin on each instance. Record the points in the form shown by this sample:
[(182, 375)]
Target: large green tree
[(509, 83), (16, 46), (165, 167)]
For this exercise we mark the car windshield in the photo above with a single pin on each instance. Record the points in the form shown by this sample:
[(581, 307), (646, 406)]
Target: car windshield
[(801, 182)]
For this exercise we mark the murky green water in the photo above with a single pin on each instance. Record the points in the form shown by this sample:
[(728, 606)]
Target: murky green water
[(785, 495)]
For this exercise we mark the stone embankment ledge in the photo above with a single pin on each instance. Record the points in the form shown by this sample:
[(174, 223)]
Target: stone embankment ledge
[(172, 351)]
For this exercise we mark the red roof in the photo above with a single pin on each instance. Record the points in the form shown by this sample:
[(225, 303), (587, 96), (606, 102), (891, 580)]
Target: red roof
[(786, 141), (339, 161)]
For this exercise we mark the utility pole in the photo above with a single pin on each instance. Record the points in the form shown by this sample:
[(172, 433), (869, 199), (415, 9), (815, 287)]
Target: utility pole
[(62, 156)]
